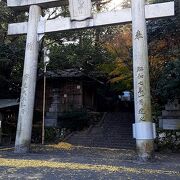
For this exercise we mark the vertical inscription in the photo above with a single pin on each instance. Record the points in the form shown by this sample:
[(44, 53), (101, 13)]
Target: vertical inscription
[(30, 46), (138, 35), (81, 6), (140, 92), (24, 93), (80, 9)]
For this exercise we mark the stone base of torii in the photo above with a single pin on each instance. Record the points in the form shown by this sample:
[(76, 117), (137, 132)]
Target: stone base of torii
[(82, 17)]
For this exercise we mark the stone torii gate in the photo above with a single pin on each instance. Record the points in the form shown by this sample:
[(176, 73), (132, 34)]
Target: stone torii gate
[(82, 17)]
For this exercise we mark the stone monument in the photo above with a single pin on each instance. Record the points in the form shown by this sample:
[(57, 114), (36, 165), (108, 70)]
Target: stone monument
[(170, 119)]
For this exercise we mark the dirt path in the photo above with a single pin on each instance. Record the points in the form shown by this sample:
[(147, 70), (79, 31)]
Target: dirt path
[(66, 162)]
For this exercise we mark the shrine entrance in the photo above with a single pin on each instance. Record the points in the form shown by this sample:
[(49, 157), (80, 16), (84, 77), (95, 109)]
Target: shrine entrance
[(81, 16)]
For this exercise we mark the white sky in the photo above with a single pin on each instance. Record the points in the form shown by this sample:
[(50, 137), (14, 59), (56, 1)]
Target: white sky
[(115, 4)]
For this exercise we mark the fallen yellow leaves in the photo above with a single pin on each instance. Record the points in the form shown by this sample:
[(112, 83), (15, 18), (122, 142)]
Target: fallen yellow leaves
[(19, 163), (6, 149), (62, 145)]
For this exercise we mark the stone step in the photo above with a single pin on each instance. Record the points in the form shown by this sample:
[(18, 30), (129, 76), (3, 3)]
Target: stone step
[(117, 143), (117, 124), (110, 141), (118, 146), (102, 135), (87, 141), (102, 141), (121, 129)]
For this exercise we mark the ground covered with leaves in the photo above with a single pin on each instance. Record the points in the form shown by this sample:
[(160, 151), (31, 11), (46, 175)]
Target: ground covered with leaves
[(65, 161)]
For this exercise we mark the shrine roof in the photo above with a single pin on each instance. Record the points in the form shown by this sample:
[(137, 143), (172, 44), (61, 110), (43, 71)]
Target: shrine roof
[(65, 73), (69, 73), (4, 103)]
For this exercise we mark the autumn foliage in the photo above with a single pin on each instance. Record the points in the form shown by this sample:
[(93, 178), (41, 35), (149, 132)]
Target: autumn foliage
[(120, 70)]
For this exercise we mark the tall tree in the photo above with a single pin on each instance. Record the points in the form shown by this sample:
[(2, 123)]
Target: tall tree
[(11, 53), (120, 70)]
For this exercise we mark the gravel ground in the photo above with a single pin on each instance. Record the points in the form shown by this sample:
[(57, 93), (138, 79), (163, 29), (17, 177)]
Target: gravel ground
[(76, 163)]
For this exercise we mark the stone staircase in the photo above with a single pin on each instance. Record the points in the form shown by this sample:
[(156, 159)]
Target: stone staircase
[(113, 131)]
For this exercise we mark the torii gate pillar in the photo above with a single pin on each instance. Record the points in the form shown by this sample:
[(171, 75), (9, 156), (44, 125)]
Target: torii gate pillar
[(144, 129), (24, 128)]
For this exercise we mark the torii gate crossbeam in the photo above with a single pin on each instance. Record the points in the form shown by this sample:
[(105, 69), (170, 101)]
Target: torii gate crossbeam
[(101, 19)]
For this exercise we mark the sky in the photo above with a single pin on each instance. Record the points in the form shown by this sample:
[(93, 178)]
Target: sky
[(114, 4)]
